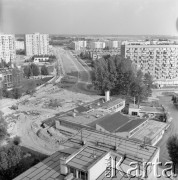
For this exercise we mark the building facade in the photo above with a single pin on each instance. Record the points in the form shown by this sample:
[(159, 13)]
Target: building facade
[(7, 47), (10, 77), (78, 45), (97, 45), (36, 44), (19, 45), (158, 60), (113, 44)]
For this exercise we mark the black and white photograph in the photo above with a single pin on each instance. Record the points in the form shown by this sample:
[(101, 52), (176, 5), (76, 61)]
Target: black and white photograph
[(88, 89)]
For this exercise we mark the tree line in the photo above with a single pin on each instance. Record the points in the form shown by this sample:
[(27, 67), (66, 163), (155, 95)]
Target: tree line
[(118, 75), (33, 70)]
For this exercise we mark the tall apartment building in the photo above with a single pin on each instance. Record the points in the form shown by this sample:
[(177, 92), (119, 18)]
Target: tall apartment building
[(78, 45), (161, 61), (19, 45), (97, 45), (7, 47), (113, 44), (36, 44)]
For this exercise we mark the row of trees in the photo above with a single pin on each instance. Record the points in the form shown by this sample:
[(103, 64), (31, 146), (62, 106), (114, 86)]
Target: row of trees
[(120, 77), (33, 70)]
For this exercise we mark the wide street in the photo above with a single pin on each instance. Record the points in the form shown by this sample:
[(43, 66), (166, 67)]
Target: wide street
[(173, 129), (75, 67)]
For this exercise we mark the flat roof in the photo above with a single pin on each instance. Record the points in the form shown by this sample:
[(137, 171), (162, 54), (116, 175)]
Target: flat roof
[(108, 141), (114, 101), (86, 157), (150, 130), (131, 125), (151, 109), (83, 118), (47, 169), (112, 122)]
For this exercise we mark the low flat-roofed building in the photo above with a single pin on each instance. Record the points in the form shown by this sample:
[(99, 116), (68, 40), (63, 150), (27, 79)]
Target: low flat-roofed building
[(85, 157), (111, 122), (119, 124), (89, 112), (141, 110), (151, 133)]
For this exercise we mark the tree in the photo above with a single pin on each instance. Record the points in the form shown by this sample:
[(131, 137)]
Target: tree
[(34, 69), (119, 75), (27, 71), (148, 81), (10, 157), (44, 70), (17, 92), (31, 85), (3, 128), (17, 140), (172, 146)]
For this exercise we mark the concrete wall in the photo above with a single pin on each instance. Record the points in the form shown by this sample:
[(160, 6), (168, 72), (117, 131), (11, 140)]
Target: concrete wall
[(99, 128), (134, 110), (151, 174), (98, 168)]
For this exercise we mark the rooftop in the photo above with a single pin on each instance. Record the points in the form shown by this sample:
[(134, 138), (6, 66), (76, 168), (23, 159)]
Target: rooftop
[(114, 101), (108, 141), (131, 125), (98, 144), (151, 109), (150, 130), (47, 169), (112, 122), (86, 157)]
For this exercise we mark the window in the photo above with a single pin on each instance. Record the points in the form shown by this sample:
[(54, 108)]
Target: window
[(134, 113)]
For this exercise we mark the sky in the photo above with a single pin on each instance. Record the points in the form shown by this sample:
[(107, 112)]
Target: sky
[(109, 17)]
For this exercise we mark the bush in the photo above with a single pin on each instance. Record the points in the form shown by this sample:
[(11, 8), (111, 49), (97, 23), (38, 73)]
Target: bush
[(17, 140), (44, 70)]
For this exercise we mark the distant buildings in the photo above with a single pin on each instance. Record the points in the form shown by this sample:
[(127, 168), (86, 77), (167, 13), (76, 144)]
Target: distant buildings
[(96, 45), (78, 45), (158, 60), (36, 44), (7, 47), (10, 77), (111, 44), (19, 45)]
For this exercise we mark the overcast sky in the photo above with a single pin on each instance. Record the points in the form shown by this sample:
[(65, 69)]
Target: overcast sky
[(120, 17)]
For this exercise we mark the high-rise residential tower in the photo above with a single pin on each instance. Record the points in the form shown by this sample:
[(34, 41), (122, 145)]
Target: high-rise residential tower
[(161, 61), (7, 47), (36, 44)]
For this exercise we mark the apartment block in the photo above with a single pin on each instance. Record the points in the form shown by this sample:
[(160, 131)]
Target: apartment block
[(19, 45), (78, 45), (7, 47), (113, 44), (158, 60), (97, 45), (36, 44)]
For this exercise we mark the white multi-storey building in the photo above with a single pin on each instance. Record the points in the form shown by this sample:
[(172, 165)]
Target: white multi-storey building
[(19, 45), (113, 44), (161, 61), (97, 45), (37, 44), (7, 47), (78, 45)]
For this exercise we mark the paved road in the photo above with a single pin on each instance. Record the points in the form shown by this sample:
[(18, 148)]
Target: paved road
[(76, 67), (173, 129)]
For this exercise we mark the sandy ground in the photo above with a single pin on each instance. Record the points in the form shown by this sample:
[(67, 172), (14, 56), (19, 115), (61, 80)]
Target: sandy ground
[(34, 109)]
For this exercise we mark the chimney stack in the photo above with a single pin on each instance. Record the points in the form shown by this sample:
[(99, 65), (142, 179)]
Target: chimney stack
[(107, 96)]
